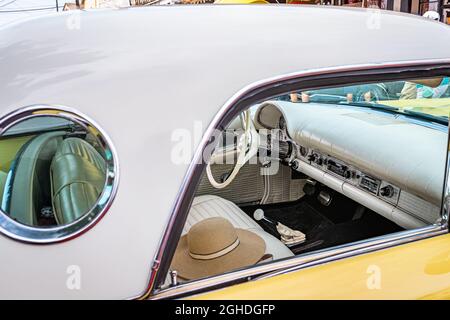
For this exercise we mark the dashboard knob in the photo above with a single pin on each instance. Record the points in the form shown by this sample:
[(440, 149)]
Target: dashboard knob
[(347, 174), (387, 191), (303, 151), (312, 157)]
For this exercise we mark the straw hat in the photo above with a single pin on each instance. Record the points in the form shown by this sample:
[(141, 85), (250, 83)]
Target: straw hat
[(214, 246)]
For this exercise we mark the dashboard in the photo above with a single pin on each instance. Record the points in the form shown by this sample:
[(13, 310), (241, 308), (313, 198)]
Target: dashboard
[(391, 165)]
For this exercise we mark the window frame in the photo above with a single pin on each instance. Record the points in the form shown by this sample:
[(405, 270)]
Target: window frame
[(263, 90)]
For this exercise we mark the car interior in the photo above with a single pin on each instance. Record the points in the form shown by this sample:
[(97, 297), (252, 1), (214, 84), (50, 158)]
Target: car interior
[(337, 170), (52, 171)]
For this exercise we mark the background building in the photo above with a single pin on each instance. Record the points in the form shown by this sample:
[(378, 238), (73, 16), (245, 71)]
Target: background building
[(418, 7), (445, 10), (15, 10)]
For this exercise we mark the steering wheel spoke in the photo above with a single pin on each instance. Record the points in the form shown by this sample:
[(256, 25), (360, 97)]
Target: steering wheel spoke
[(247, 148)]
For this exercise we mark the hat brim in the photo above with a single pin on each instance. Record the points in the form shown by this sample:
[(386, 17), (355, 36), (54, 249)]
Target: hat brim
[(250, 250)]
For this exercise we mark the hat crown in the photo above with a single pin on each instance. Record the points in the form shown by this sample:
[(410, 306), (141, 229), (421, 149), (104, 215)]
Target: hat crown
[(211, 236)]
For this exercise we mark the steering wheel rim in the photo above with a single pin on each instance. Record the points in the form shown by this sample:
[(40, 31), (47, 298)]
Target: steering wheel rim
[(247, 147)]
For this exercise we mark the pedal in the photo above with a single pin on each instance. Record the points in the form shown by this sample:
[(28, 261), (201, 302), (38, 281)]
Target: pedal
[(324, 198), (310, 187)]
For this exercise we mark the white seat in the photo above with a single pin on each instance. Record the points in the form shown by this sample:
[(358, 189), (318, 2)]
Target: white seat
[(209, 206)]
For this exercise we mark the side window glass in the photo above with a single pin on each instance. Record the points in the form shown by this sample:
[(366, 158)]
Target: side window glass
[(312, 170)]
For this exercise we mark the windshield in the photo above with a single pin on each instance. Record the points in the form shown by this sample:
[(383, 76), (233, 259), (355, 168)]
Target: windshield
[(429, 98)]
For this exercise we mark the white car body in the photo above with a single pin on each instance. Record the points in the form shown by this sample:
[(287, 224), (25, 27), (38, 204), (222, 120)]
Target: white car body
[(143, 73)]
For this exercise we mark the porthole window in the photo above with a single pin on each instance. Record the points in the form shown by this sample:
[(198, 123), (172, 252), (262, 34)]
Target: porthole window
[(58, 174)]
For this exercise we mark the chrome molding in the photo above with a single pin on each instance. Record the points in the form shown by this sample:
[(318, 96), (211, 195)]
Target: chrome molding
[(445, 205), (31, 234), (179, 207)]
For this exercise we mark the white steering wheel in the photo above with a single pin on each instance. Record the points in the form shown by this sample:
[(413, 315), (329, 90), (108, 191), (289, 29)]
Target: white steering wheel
[(247, 148)]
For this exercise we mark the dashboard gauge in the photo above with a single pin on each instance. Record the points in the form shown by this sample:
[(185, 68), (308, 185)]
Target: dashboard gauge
[(303, 151), (282, 123)]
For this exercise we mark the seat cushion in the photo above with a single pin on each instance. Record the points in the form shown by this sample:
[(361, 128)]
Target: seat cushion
[(209, 206), (83, 150), (78, 177)]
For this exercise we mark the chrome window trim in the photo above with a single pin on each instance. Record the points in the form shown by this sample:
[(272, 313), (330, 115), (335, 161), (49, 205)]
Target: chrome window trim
[(31, 234), (419, 66)]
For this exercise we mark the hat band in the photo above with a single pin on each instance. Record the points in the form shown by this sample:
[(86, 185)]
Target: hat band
[(217, 254)]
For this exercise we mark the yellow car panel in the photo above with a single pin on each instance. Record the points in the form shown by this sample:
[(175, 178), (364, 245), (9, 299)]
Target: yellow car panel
[(418, 270), (9, 148), (436, 107)]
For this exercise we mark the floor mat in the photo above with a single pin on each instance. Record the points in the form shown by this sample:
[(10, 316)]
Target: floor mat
[(299, 216), (321, 232), (369, 226)]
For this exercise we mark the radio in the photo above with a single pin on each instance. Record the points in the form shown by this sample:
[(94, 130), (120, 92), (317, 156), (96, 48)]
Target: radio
[(339, 169)]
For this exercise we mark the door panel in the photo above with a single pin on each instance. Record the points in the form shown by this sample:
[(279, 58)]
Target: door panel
[(418, 270)]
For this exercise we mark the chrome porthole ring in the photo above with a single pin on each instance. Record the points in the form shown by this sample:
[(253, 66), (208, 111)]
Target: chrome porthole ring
[(49, 134)]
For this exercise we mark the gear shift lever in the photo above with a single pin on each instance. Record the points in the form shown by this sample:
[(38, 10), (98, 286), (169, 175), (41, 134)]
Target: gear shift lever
[(258, 215), (288, 236)]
